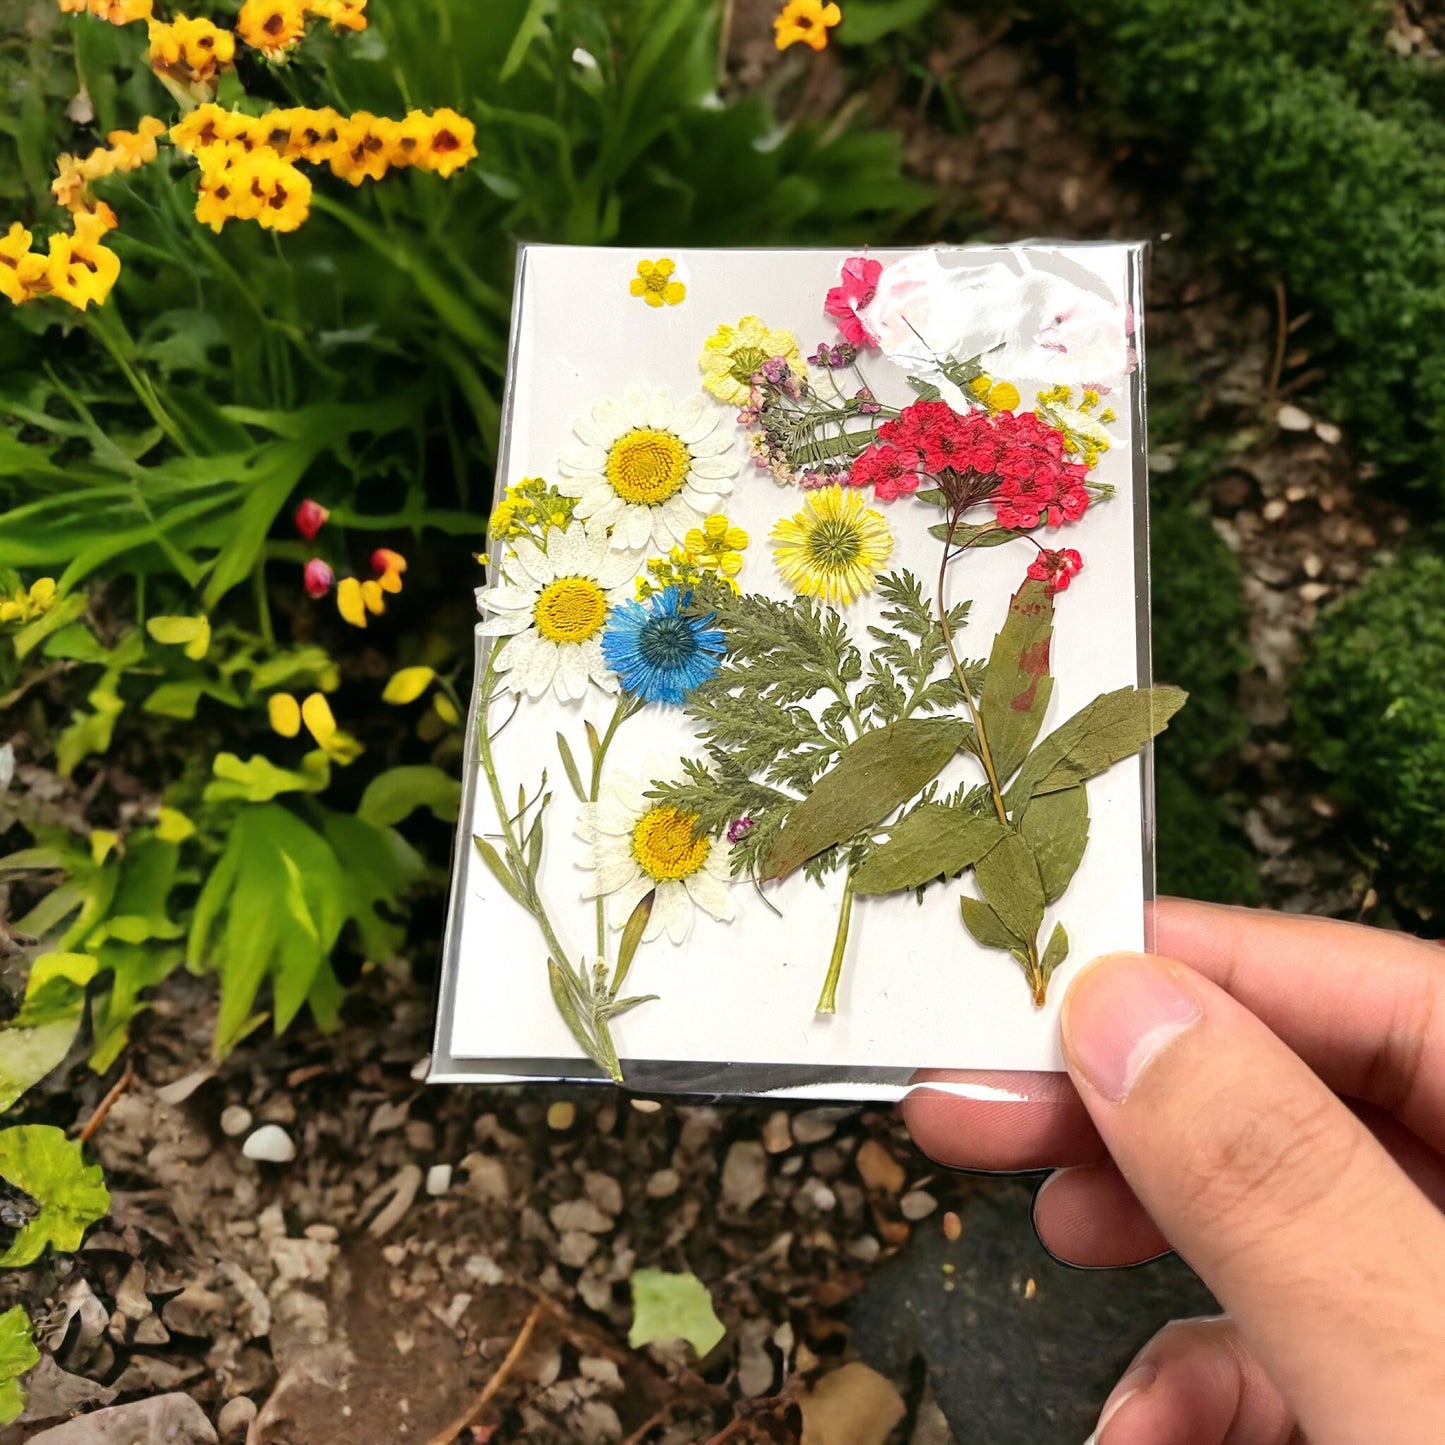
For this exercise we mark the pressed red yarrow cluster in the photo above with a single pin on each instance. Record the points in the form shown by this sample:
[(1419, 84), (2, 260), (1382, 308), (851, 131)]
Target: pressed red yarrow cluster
[(1011, 460)]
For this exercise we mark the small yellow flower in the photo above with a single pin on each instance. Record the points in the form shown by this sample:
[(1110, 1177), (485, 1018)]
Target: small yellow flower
[(363, 149), (716, 546), (732, 354), (210, 125), (805, 20), (137, 148), (23, 273), (450, 142), (445, 709), (284, 713), (407, 684), (251, 186), (79, 269), (834, 548), (340, 747), (655, 285), (529, 509), (116, 12), (272, 26), (349, 602), (340, 14), (24, 606), (192, 51)]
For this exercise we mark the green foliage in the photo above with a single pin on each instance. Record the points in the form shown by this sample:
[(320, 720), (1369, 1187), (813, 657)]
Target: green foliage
[(17, 1355), (40, 1034), (673, 1307), (1369, 701), (1200, 849), (1312, 151), (68, 1194)]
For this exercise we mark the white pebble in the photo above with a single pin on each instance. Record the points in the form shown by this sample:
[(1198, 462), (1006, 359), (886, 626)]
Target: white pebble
[(1294, 418), (438, 1179), (235, 1119), (916, 1205), (270, 1143), (1328, 433)]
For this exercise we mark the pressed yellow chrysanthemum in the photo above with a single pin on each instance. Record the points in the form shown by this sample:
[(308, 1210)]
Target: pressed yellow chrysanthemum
[(834, 548), (995, 395), (717, 546), (272, 26), (22, 271), (805, 20), (732, 354), (654, 282)]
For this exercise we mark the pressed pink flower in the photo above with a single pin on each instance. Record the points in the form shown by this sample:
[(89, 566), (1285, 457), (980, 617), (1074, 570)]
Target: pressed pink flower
[(1057, 569), (860, 281), (317, 578)]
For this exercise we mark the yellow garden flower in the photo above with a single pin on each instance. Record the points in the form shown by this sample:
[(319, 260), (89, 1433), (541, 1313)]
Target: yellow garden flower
[(389, 567), (23, 272), (272, 26), (805, 20), (717, 547), (209, 125), (79, 269), (450, 143), (284, 713), (127, 151), (355, 598), (116, 12), (732, 354), (528, 509), (834, 548), (654, 282), (364, 147), (22, 606), (251, 186), (191, 51), (341, 14)]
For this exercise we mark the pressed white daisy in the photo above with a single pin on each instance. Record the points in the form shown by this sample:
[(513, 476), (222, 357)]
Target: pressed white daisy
[(648, 471), (552, 606), (636, 845)]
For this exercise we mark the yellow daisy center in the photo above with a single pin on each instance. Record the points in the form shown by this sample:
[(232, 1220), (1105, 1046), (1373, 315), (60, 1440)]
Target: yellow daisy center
[(663, 844), (647, 466), (834, 545), (745, 360), (571, 610)]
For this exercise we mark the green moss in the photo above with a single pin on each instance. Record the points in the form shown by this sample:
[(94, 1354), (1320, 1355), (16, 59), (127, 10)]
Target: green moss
[(1370, 704), (1200, 850)]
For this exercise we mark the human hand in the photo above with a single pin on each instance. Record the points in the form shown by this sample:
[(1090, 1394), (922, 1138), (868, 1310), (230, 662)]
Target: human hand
[(1273, 1106)]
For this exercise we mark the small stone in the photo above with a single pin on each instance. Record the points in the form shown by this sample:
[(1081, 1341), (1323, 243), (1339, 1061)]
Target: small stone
[(271, 1144), (646, 1106), (560, 1116), (744, 1175), (879, 1169), (483, 1268), (1294, 418), (575, 1248), (777, 1136), (1313, 565), (487, 1181), (604, 1372), (278, 1109), (1328, 433), (814, 1197), (1315, 591), (322, 1233), (438, 1179), (664, 1184), (1274, 509), (605, 1192), (579, 1214), (952, 1227), (812, 1126), (421, 1135), (916, 1205), (235, 1119), (235, 1417), (393, 1254), (1296, 492), (865, 1249), (387, 1117)]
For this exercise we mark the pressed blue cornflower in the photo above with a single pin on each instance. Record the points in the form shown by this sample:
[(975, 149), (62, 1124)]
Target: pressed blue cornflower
[(660, 654)]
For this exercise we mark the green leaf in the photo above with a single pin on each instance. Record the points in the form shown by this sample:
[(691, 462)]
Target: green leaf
[(1111, 727), (1056, 827), (986, 534), (17, 1355), (865, 21), (500, 871), (64, 612), (872, 776), (399, 792), (632, 932), (40, 1161), (533, 26), (931, 842), (987, 928), (673, 1307), (1055, 953), (1017, 685), (559, 979), (41, 1033), (1009, 880), (569, 766), (258, 780)]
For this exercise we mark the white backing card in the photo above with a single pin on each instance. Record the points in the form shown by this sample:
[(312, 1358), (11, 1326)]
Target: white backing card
[(916, 992)]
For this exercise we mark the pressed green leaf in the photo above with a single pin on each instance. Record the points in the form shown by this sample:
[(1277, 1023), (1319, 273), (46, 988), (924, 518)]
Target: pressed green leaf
[(933, 841), (559, 979), (986, 534), (673, 1307), (986, 926), (632, 932), (1017, 685), (1111, 727), (1056, 827), (398, 792), (1009, 880), (569, 766), (17, 1355), (871, 778), (40, 1161), (1055, 953), (500, 871)]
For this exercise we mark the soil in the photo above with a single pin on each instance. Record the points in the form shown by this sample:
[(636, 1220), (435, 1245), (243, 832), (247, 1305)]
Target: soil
[(369, 1289)]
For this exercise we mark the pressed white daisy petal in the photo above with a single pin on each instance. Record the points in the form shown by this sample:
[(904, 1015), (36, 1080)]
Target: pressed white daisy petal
[(693, 418), (532, 560), (586, 826), (603, 513), (508, 598), (571, 673), (614, 817), (704, 491), (626, 898), (505, 624), (634, 528), (617, 569), (631, 793), (611, 419), (711, 895), (582, 459), (634, 401), (671, 912), (659, 408), (713, 467), (614, 873), (594, 433), (593, 660), (569, 550), (712, 446)]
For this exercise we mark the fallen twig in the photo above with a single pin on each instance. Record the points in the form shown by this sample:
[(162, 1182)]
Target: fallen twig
[(107, 1103), (447, 1434)]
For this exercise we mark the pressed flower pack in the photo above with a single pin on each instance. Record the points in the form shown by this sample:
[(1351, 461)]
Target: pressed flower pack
[(813, 705)]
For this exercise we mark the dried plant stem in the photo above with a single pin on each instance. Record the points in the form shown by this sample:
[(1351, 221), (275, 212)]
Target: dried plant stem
[(828, 1000), (448, 1433), (980, 737), (624, 709), (108, 1103)]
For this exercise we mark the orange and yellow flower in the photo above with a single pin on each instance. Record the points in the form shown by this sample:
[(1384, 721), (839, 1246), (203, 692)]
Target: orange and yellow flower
[(272, 26), (128, 150), (191, 51), (340, 14), (79, 269), (115, 12), (805, 20), (22, 271)]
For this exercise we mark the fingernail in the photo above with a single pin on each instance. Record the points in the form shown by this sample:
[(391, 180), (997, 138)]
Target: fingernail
[(1120, 1015), (1134, 1383)]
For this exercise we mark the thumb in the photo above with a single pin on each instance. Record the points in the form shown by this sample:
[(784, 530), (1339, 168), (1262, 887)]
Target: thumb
[(1331, 1261)]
